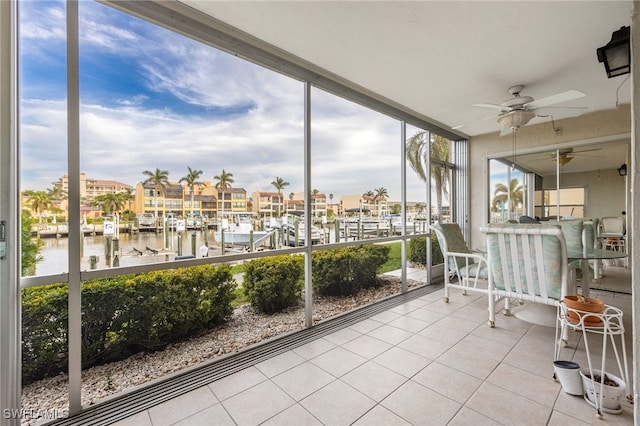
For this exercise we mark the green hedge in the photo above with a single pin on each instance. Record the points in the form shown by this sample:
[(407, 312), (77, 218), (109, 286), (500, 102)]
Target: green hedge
[(274, 283), (346, 270), (123, 315), (418, 250)]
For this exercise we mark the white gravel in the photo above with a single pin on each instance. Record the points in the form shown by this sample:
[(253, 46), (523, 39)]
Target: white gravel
[(246, 327)]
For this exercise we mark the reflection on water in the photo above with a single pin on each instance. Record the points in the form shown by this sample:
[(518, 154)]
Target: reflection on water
[(55, 250)]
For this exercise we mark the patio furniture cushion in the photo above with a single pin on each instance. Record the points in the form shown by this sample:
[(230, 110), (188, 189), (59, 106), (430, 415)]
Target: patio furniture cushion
[(468, 266), (530, 272), (451, 239)]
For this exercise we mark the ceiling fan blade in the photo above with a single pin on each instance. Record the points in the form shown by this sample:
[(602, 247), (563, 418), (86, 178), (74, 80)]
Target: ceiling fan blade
[(569, 95), (565, 112), (494, 106), (459, 126)]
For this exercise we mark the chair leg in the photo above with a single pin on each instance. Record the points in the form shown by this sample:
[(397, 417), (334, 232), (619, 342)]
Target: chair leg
[(492, 311)]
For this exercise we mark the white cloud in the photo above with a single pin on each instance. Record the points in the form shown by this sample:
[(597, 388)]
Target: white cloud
[(353, 149)]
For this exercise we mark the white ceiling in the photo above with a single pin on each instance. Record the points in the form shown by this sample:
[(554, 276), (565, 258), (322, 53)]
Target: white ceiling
[(440, 57)]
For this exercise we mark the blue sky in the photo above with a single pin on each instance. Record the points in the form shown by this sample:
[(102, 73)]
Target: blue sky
[(151, 98)]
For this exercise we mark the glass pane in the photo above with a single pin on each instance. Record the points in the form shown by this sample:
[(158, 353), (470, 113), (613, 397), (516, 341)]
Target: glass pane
[(43, 135), (417, 211), (356, 165), (506, 192)]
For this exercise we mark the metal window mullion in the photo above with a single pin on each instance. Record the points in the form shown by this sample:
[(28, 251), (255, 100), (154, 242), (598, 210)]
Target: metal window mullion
[(429, 265), (73, 165), (403, 204), (308, 293), (10, 316)]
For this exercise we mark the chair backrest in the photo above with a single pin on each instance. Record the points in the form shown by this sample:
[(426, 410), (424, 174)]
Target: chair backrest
[(589, 233), (572, 230), (527, 259), (612, 226), (451, 239)]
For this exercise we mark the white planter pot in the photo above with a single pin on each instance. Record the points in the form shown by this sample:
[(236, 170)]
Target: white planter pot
[(568, 374), (611, 395)]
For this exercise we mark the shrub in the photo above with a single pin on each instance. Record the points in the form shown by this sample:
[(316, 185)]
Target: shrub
[(275, 283), (346, 270), (418, 250), (123, 315)]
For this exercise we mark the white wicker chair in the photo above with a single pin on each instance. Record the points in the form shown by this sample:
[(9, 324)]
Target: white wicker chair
[(526, 262), (468, 266)]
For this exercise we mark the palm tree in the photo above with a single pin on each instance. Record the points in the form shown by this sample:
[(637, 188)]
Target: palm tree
[(224, 183), (438, 148), (279, 183), (109, 203), (127, 196), (159, 179), (291, 195), (502, 195), (57, 193), (39, 202), (380, 193), (191, 179)]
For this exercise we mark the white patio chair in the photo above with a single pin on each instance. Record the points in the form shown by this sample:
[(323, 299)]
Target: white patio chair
[(526, 262), (468, 266)]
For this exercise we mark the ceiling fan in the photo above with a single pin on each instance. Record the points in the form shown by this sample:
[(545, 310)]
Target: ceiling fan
[(519, 110), (565, 155)]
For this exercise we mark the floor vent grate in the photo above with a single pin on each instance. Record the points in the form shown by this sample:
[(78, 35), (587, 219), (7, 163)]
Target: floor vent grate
[(135, 401)]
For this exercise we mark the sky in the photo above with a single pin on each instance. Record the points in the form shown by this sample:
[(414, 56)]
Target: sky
[(151, 99)]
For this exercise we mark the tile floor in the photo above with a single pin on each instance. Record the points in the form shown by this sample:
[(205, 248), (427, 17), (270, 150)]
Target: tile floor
[(421, 363)]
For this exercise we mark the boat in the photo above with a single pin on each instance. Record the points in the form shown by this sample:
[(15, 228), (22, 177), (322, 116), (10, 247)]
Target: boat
[(146, 221), (370, 226), (395, 222), (236, 229), (297, 227)]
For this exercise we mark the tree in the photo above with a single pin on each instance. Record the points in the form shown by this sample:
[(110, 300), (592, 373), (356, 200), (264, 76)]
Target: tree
[(57, 193), (380, 193), (291, 195), (224, 183), (159, 179), (502, 194), (279, 184), (127, 196), (418, 148), (39, 202), (109, 203), (30, 254), (191, 179)]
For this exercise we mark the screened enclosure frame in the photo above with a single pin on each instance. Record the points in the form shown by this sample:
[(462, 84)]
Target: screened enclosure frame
[(179, 18)]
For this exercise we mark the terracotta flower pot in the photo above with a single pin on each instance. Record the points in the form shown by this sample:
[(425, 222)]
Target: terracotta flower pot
[(584, 305)]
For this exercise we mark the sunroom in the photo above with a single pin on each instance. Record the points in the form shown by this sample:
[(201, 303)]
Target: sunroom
[(331, 98)]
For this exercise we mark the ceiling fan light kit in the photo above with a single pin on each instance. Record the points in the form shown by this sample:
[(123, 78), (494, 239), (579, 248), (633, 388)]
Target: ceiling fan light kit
[(515, 119), (616, 54)]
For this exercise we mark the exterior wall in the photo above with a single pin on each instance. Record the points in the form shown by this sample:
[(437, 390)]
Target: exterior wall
[(91, 188), (375, 207), (588, 126)]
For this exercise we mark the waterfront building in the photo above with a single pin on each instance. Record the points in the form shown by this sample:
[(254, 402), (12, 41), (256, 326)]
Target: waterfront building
[(371, 206), (175, 199), (91, 188)]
